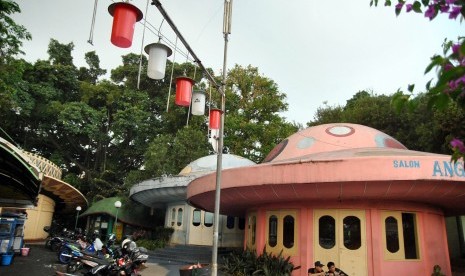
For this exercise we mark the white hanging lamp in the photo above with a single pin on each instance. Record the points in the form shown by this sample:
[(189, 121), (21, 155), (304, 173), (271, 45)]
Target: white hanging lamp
[(158, 53), (198, 102)]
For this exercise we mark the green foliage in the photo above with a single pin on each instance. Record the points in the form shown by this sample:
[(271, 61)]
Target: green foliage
[(161, 235), (437, 271), (107, 135), (253, 126), (11, 34), (248, 263), (151, 244)]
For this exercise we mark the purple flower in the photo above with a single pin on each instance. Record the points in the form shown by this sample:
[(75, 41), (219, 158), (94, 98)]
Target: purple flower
[(430, 12), (409, 7), (444, 8), (457, 145), (450, 2), (454, 12), (448, 66), (452, 85), (399, 5)]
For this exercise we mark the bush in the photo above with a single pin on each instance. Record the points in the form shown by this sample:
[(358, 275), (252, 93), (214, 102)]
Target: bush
[(161, 239), (151, 244), (248, 263)]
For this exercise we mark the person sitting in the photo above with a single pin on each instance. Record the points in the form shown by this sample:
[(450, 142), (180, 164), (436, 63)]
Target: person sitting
[(334, 271), (317, 270)]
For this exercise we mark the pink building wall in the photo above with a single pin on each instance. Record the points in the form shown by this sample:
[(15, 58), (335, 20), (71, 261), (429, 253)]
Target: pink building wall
[(432, 240)]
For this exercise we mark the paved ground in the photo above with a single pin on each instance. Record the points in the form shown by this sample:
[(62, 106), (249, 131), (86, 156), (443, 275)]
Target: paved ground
[(43, 262)]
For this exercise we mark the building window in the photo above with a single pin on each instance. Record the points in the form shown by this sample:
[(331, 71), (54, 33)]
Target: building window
[(173, 216), (179, 216), (392, 234), (208, 220), (230, 222), (196, 217), (352, 232), (288, 231), (273, 231), (327, 232), (241, 223), (400, 236), (410, 236)]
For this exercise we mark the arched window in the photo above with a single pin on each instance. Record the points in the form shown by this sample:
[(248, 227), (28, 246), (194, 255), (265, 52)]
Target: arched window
[(173, 216), (327, 232), (196, 217), (352, 232), (230, 222), (273, 231), (179, 217), (288, 231), (392, 234), (208, 220)]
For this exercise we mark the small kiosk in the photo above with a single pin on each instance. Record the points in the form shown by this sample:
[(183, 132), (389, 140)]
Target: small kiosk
[(11, 234)]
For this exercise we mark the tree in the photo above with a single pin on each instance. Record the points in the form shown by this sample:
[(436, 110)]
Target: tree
[(12, 95), (11, 34), (253, 126), (450, 84)]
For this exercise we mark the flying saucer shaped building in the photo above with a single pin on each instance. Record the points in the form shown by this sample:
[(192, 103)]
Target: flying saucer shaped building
[(191, 225), (345, 193)]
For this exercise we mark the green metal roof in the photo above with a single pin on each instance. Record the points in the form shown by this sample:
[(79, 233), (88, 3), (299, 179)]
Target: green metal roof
[(129, 213)]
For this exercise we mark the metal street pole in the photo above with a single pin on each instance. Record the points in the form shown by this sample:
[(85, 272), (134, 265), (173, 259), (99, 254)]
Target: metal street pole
[(219, 163), (78, 208), (116, 221)]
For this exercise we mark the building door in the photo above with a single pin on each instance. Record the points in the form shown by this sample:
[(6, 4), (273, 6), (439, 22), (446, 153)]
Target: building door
[(201, 228), (340, 237)]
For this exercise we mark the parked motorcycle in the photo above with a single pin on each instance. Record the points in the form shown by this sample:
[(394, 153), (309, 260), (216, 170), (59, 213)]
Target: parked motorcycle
[(105, 255), (56, 238), (128, 261)]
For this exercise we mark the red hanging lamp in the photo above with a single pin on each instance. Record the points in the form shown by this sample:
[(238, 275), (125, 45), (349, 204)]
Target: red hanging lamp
[(184, 91), (125, 16), (215, 116)]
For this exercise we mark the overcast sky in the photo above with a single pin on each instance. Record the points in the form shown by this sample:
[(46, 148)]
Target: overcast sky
[(316, 51)]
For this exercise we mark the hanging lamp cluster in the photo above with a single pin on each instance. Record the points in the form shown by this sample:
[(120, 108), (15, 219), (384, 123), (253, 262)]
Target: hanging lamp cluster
[(125, 16)]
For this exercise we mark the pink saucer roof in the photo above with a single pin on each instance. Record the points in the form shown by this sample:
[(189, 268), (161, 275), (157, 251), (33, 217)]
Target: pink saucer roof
[(340, 163)]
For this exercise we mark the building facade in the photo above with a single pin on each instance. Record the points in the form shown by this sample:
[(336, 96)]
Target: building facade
[(345, 193)]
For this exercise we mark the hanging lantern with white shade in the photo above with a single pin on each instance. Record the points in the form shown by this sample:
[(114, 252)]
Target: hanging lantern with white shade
[(198, 102), (215, 116), (184, 91), (158, 53), (125, 17)]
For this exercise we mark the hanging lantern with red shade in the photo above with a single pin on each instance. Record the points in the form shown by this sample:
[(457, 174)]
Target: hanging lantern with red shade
[(215, 116), (125, 17), (184, 91)]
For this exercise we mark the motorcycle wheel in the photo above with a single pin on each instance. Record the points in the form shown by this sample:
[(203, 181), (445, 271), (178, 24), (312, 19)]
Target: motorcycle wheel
[(72, 267), (62, 258), (56, 246)]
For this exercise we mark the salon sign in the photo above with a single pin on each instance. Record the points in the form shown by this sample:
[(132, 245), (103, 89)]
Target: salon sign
[(440, 167)]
